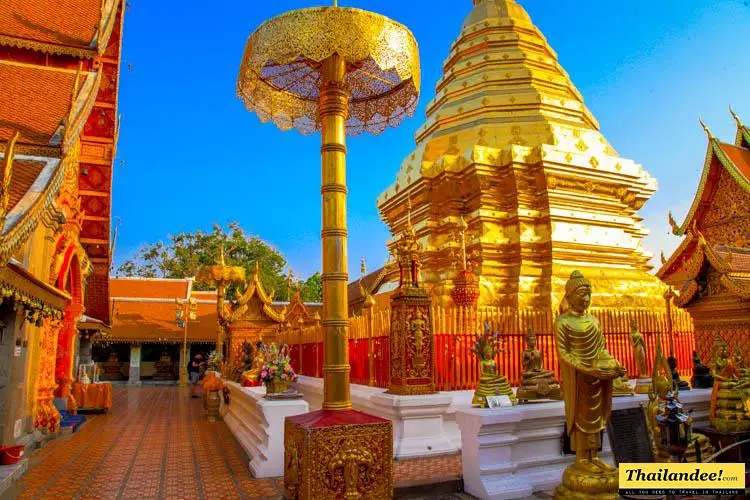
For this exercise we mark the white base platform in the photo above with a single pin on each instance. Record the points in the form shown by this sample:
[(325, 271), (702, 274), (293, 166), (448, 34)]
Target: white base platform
[(513, 452), (422, 425), (258, 424)]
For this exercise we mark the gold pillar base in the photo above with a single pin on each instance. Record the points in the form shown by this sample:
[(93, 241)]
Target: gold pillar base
[(582, 484), (338, 454)]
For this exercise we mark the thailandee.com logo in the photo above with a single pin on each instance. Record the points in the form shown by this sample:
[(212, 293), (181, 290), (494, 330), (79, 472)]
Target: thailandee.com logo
[(682, 479)]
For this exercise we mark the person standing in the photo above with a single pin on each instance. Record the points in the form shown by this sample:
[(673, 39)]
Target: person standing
[(194, 369)]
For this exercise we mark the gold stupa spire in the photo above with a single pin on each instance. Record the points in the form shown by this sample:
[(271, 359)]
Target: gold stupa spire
[(508, 143)]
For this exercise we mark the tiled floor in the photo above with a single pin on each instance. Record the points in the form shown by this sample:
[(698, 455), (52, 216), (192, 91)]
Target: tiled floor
[(155, 443)]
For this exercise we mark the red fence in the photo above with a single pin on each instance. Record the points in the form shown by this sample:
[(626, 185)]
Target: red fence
[(457, 368)]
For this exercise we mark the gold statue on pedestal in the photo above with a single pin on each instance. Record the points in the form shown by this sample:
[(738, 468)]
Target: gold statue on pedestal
[(643, 384), (588, 371), (486, 347), (536, 382), (621, 387), (729, 399)]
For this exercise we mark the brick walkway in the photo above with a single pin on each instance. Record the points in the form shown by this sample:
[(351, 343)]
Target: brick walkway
[(155, 443)]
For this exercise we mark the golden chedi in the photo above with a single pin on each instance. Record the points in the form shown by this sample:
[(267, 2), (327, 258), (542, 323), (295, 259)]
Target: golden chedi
[(509, 145), (536, 382), (588, 371), (486, 347), (729, 412)]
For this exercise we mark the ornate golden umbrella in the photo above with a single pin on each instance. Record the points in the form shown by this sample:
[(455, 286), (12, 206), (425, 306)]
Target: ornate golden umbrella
[(341, 71)]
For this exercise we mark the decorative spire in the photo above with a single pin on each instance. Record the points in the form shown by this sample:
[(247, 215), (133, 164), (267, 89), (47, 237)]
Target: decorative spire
[(463, 226), (256, 276), (736, 118), (363, 266), (408, 213), (289, 285), (708, 132)]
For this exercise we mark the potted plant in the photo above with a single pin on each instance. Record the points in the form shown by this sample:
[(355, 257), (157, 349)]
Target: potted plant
[(276, 372)]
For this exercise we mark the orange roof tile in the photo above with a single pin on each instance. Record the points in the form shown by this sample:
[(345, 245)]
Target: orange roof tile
[(740, 157), (37, 119), (58, 22), (155, 288)]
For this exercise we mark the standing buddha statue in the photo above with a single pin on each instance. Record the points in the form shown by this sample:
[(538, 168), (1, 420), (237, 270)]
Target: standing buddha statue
[(588, 371), (728, 411), (536, 382), (486, 347), (643, 384)]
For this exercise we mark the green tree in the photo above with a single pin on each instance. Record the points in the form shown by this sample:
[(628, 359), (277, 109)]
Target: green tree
[(311, 290), (183, 254)]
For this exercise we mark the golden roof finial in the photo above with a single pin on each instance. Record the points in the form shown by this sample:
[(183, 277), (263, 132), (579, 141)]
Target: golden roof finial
[(708, 132), (363, 267), (256, 276), (7, 172), (736, 118), (289, 285)]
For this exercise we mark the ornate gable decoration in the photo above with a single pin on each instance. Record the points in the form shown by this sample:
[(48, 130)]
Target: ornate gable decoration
[(254, 304), (734, 159)]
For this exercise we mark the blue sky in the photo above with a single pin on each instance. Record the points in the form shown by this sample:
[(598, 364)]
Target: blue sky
[(190, 154)]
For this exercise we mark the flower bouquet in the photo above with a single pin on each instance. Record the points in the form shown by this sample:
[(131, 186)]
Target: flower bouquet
[(276, 372), (214, 362)]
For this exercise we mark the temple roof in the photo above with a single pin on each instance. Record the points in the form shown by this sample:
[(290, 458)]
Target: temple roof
[(74, 27), (54, 117), (734, 159), (686, 266), (144, 310), (253, 304)]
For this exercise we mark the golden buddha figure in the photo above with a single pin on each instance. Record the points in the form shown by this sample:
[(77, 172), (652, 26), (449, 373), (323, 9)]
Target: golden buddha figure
[(731, 392), (588, 371), (643, 383), (621, 387), (536, 382), (486, 347), (251, 376)]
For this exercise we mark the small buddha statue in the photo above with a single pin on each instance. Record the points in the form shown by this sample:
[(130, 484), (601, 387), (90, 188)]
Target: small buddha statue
[(643, 381), (486, 347), (621, 387), (681, 384), (588, 371), (536, 382), (250, 377), (729, 399), (702, 378)]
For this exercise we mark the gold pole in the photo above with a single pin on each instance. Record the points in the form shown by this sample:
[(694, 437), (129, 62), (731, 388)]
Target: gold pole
[(185, 360), (333, 110), (668, 296), (220, 308), (371, 347)]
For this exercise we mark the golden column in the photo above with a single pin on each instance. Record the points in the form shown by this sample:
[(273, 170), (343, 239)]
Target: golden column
[(337, 71)]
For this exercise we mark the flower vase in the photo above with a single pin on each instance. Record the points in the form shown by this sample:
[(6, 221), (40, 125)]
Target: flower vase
[(276, 386)]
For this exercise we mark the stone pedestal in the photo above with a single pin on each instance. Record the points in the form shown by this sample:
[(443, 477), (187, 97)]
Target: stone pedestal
[(338, 454), (513, 452), (258, 425), (134, 372)]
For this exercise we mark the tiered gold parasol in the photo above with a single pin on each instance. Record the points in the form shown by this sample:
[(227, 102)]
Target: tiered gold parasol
[(339, 71)]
